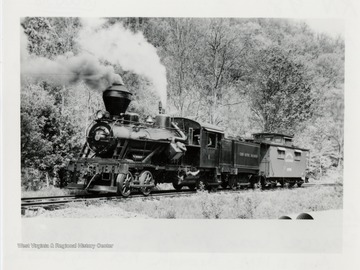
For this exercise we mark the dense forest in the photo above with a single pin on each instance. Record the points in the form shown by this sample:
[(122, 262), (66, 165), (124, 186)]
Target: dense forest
[(245, 75)]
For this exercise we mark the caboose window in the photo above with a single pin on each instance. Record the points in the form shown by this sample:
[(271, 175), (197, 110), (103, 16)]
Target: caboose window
[(281, 153), (297, 155), (288, 141)]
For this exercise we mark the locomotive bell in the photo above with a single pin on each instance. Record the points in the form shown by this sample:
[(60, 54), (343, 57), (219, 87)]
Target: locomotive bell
[(117, 99)]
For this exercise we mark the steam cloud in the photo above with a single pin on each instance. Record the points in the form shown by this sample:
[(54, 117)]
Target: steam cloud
[(130, 50), (114, 44)]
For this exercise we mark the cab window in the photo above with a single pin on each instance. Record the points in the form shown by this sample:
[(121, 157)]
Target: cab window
[(211, 140)]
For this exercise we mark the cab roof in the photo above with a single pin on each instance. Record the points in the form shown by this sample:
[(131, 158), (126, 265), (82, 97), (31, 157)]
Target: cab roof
[(206, 126), (210, 127), (273, 134)]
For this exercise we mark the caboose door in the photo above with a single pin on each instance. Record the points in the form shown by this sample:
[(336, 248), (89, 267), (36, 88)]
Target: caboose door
[(210, 149)]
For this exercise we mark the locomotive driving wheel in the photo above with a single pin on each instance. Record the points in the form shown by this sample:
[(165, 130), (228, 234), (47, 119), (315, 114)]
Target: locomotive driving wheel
[(123, 184), (146, 178)]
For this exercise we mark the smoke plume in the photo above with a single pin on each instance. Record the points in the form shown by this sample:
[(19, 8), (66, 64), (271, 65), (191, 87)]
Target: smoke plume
[(114, 44), (67, 69), (130, 50)]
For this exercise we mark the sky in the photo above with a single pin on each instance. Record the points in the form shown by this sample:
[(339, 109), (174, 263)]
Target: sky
[(333, 27)]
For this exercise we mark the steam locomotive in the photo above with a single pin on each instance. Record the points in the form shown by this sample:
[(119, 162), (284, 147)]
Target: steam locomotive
[(122, 154)]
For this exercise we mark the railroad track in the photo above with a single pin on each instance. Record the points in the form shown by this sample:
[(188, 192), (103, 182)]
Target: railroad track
[(54, 202), (58, 201)]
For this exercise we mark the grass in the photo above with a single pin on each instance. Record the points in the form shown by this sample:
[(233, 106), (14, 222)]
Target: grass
[(247, 204), (49, 191), (45, 192), (243, 205)]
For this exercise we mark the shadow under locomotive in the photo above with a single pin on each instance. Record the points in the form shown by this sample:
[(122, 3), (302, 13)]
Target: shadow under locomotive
[(121, 154)]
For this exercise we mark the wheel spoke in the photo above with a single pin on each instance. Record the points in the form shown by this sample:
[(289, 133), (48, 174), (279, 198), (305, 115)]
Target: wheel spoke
[(147, 179), (123, 184)]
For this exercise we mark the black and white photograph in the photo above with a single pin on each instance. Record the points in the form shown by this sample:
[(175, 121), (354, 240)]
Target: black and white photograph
[(206, 134), (181, 118)]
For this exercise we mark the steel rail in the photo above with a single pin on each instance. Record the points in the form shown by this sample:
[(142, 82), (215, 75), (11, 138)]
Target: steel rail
[(59, 200)]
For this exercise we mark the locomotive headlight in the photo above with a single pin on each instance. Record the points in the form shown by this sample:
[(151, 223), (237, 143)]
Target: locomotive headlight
[(99, 114)]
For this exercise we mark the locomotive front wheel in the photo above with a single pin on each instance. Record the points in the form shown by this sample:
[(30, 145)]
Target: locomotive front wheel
[(123, 184), (146, 178)]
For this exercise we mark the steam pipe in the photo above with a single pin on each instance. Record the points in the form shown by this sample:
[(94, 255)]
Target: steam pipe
[(183, 136)]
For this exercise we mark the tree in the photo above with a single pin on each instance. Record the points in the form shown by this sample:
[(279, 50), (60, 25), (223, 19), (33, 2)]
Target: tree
[(281, 93), (182, 59), (49, 37), (48, 137)]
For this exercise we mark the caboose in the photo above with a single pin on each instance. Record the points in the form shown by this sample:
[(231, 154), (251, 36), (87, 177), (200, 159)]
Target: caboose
[(281, 161)]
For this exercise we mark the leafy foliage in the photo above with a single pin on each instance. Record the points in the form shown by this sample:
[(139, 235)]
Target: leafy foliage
[(281, 95), (48, 137)]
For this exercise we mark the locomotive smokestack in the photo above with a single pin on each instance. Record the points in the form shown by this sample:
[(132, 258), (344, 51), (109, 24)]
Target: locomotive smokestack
[(116, 99)]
